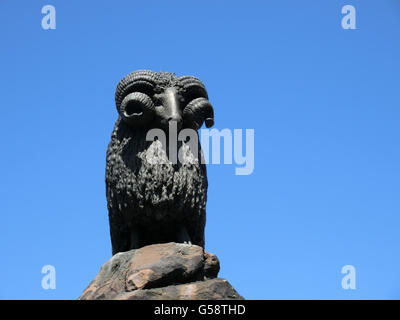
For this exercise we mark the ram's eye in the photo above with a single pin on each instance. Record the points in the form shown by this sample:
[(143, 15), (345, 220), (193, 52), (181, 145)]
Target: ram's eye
[(156, 99)]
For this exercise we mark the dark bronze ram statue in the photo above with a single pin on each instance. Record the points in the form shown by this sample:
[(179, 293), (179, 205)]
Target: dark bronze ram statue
[(156, 201)]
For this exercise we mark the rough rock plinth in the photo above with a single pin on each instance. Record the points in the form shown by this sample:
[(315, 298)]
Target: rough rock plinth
[(168, 271)]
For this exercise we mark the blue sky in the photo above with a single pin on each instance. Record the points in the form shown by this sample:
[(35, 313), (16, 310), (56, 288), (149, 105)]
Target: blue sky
[(323, 101)]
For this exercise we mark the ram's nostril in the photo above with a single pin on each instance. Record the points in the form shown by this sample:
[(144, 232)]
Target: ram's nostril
[(133, 108), (175, 122), (177, 119), (174, 119)]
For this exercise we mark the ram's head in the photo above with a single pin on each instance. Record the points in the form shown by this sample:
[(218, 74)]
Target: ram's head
[(146, 99)]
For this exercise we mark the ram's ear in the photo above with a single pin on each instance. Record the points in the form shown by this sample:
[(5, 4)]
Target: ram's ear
[(137, 109), (209, 122)]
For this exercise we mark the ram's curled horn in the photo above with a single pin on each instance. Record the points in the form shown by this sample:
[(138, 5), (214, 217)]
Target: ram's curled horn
[(141, 81), (193, 87), (197, 112), (137, 109)]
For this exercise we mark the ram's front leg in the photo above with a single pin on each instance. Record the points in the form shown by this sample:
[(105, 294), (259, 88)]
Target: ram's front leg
[(135, 238), (118, 232), (183, 235)]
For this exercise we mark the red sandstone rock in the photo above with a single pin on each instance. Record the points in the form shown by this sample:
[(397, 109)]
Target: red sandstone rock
[(161, 271)]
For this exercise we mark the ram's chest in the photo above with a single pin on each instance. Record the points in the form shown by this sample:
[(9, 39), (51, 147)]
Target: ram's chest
[(147, 183)]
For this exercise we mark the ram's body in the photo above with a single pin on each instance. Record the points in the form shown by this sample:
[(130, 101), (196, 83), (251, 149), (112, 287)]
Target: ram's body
[(152, 201)]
